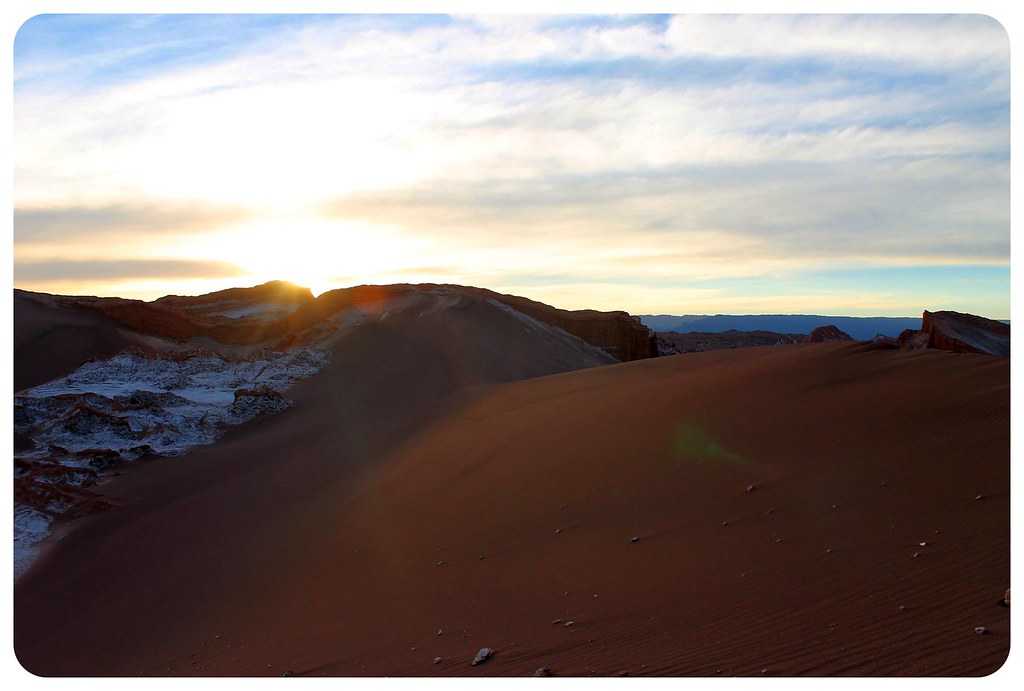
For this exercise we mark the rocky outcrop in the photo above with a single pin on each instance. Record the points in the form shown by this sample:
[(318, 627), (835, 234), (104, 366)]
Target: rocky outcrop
[(276, 298), (827, 334), (958, 332), (911, 339), (881, 341), (671, 343), (278, 311), (966, 333)]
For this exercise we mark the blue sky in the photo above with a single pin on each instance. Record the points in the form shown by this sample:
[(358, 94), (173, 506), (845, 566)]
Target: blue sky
[(835, 164)]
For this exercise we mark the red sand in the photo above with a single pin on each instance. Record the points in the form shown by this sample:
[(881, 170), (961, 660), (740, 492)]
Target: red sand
[(338, 537)]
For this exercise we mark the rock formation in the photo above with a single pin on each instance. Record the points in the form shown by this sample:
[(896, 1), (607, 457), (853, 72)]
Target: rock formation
[(827, 334), (670, 343), (966, 333), (958, 333), (276, 310)]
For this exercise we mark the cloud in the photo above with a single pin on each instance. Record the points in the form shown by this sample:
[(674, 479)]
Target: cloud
[(63, 270), (123, 220), (625, 147)]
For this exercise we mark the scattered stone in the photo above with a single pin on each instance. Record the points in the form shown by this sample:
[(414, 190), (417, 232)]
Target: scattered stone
[(623, 673), (414, 649), (1006, 598), (441, 563), (922, 544), (542, 672), (828, 551), (569, 623), (635, 539), (437, 660), (557, 531), (557, 621), (439, 632), (916, 555), (288, 673), (751, 488), (980, 630), (979, 497), (725, 523), (483, 656)]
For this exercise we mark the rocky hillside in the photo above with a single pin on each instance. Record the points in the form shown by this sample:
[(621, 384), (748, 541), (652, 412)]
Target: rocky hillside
[(671, 343), (273, 313)]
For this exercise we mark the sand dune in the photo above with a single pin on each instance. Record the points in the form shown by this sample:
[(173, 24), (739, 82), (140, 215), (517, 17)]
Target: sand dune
[(280, 550), (751, 512)]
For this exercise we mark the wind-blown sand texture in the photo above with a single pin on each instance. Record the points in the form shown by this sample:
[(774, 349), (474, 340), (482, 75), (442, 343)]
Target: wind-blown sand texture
[(743, 512)]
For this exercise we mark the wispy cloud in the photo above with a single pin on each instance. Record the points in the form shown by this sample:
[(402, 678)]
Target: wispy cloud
[(41, 272), (125, 220)]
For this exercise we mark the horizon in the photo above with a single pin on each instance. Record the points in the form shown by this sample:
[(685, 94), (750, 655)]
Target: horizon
[(635, 314), (835, 165)]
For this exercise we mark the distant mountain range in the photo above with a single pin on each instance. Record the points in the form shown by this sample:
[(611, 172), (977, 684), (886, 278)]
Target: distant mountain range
[(860, 328)]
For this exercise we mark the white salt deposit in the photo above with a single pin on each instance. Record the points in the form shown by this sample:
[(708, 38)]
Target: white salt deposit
[(132, 405), (30, 526)]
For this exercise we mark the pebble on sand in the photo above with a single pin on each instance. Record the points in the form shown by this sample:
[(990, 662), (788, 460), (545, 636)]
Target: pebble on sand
[(437, 660), (1006, 598), (542, 672), (980, 630), (751, 488), (635, 539), (483, 656)]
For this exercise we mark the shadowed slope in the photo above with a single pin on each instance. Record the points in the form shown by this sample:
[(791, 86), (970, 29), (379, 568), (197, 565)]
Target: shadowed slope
[(52, 339)]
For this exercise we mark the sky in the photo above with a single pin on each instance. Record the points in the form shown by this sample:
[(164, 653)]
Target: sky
[(701, 164)]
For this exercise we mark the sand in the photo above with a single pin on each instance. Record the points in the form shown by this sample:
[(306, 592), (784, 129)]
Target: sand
[(748, 512)]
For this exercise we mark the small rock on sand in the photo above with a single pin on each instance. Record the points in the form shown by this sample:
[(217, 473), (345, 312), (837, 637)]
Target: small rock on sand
[(1006, 598), (751, 488), (569, 623), (483, 656), (980, 630), (437, 660), (635, 539), (542, 672)]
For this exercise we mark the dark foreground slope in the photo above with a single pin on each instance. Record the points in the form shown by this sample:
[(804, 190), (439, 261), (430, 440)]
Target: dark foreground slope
[(805, 509)]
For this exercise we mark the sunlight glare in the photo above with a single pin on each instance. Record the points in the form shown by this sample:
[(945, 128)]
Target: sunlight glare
[(310, 252)]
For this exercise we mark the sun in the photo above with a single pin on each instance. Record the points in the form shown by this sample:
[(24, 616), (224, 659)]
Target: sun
[(320, 254)]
